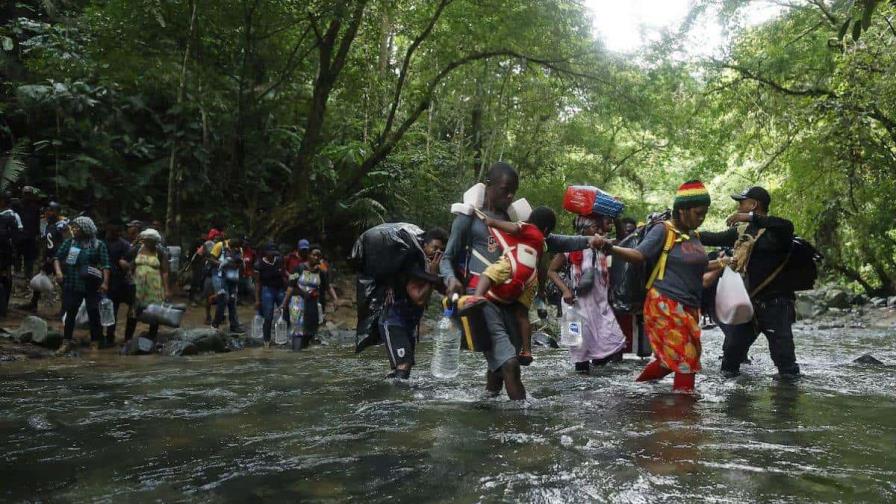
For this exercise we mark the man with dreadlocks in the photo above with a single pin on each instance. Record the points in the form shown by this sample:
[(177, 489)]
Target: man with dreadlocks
[(82, 266)]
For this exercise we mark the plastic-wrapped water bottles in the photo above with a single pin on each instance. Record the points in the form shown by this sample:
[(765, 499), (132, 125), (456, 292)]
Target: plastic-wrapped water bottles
[(446, 355), (280, 329), (107, 312), (571, 329), (258, 327)]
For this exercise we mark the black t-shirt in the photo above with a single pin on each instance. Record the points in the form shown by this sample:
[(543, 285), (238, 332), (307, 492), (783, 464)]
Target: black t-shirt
[(30, 216), (119, 249), (271, 275)]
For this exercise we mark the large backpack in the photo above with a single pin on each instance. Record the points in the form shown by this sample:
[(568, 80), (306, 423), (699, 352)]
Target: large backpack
[(630, 282), (798, 271), (378, 255)]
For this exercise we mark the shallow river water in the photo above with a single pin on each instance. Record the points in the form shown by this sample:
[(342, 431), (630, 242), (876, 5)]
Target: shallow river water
[(324, 426)]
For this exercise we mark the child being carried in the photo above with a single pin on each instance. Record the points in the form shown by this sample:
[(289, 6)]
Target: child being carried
[(514, 278)]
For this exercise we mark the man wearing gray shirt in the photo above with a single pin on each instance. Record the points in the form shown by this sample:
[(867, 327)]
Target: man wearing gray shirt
[(471, 242)]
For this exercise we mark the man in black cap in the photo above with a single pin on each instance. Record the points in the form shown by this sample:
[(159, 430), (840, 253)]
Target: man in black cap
[(762, 247)]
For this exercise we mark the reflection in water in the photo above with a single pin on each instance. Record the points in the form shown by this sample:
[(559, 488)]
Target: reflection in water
[(324, 426)]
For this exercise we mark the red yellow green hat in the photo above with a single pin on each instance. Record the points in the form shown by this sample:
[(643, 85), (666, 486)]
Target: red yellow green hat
[(691, 194)]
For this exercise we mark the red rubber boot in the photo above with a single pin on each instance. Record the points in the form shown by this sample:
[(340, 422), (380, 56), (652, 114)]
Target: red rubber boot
[(653, 371), (684, 383)]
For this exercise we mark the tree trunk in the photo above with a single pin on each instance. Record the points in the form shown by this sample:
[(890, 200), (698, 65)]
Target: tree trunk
[(173, 168)]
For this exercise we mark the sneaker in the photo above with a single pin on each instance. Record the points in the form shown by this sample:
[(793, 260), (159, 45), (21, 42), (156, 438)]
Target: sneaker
[(730, 374), (583, 367), (237, 330), (64, 349)]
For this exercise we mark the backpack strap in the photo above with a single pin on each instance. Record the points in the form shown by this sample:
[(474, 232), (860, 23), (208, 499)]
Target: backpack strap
[(672, 236), (771, 277)]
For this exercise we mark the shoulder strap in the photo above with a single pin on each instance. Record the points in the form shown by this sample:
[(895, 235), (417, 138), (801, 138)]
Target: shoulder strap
[(659, 270), (771, 277)]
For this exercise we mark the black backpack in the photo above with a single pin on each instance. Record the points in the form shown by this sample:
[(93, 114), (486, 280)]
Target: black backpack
[(799, 270), (628, 281)]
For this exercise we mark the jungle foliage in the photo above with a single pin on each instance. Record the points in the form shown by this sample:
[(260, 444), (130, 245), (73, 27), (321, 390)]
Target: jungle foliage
[(310, 117)]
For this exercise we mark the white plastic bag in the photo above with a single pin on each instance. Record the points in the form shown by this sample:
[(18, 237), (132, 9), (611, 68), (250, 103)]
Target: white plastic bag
[(81, 319), (733, 305), (41, 283)]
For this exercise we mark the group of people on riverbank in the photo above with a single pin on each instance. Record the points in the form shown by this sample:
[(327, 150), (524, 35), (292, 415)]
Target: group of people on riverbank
[(128, 263), (478, 257)]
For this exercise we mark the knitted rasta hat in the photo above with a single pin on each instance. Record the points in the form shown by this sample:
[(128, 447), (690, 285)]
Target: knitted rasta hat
[(691, 194)]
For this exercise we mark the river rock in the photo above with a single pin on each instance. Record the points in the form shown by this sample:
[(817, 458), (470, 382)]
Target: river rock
[(869, 360), (860, 299), (178, 348), (542, 339), (878, 302), (808, 307), (206, 339), (891, 302), (36, 327), (138, 346), (837, 298)]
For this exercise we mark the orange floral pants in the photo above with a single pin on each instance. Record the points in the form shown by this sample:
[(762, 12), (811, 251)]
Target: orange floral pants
[(674, 332)]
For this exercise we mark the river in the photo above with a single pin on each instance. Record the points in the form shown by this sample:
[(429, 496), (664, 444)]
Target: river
[(324, 426)]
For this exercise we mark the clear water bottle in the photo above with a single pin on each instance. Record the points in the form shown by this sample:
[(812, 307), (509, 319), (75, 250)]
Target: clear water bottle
[(281, 330), (571, 329), (446, 355), (107, 312), (258, 327)]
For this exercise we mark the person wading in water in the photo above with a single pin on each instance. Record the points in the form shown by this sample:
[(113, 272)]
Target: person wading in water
[(471, 240), (768, 243)]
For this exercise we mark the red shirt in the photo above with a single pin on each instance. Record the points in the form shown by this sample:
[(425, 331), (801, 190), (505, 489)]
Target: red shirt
[(248, 261), (293, 260)]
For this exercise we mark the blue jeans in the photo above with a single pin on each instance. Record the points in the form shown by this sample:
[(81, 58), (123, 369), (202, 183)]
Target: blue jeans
[(225, 293), (271, 298)]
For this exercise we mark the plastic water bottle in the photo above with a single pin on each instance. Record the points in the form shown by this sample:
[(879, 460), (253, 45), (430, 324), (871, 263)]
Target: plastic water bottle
[(571, 329), (280, 329), (446, 356), (258, 327), (107, 312)]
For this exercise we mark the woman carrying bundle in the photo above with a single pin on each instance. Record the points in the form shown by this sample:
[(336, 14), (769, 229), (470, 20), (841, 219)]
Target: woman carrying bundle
[(674, 290)]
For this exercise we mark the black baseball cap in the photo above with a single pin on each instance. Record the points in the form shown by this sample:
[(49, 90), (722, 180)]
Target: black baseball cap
[(757, 193)]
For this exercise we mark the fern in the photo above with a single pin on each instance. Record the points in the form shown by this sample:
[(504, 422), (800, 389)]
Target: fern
[(12, 166)]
